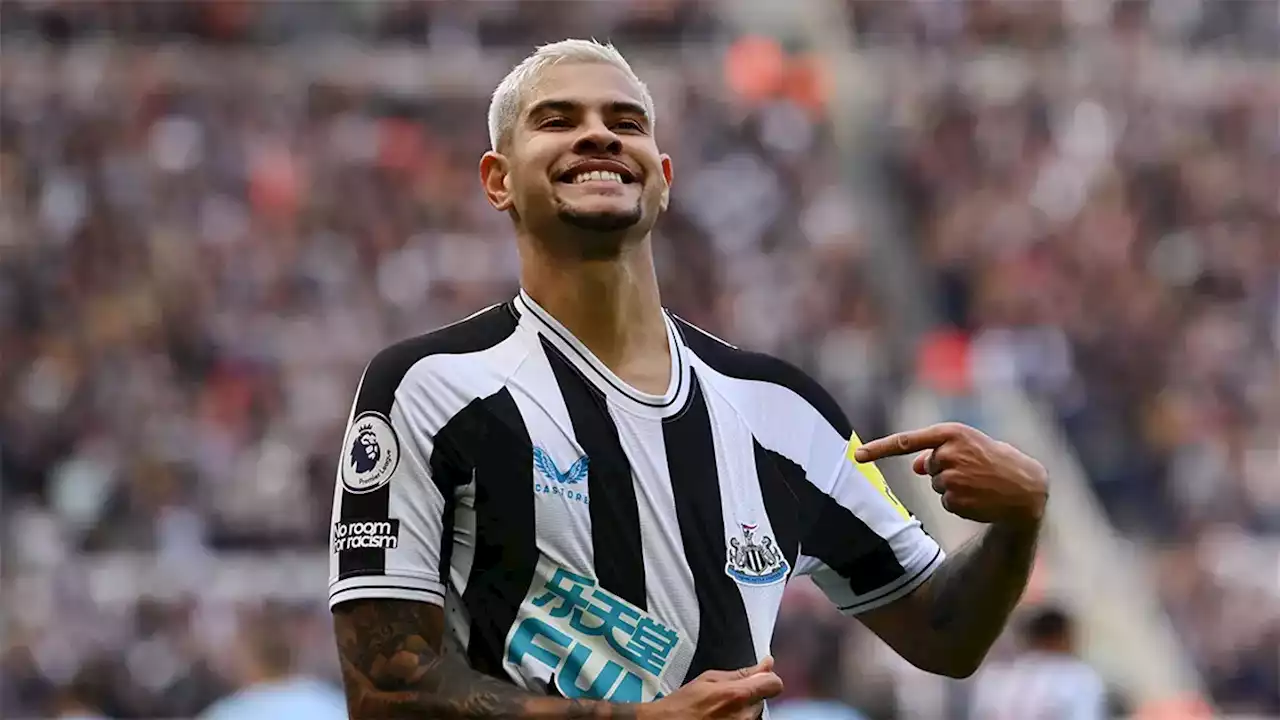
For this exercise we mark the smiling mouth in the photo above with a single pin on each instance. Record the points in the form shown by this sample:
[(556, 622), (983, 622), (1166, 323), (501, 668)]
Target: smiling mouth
[(599, 176), (588, 174)]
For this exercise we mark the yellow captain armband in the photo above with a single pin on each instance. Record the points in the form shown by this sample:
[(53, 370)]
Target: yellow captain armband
[(872, 475)]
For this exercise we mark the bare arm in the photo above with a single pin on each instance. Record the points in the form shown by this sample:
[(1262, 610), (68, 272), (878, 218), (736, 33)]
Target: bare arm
[(949, 623), (392, 668)]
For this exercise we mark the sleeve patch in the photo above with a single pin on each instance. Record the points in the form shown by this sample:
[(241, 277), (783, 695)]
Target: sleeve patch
[(872, 475), (372, 453)]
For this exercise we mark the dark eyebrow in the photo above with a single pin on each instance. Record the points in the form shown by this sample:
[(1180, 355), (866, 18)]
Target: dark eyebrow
[(569, 107), (547, 107), (623, 107)]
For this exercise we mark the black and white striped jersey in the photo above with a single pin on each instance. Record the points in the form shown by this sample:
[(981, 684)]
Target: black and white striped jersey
[(589, 540), (1039, 686)]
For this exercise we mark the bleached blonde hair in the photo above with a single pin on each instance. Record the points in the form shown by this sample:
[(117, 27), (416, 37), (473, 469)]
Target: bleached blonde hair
[(508, 98)]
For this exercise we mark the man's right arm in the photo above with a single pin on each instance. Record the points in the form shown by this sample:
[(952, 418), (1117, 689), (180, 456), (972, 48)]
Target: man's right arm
[(392, 668)]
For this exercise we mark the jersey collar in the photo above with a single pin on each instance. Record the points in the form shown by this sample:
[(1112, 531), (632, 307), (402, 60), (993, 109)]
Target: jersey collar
[(600, 376)]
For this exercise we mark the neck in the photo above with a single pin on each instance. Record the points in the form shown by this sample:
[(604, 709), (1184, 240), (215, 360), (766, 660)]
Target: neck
[(612, 305), (1051, 648)]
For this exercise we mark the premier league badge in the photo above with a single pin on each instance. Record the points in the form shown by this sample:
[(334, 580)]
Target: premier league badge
[(373, 452)]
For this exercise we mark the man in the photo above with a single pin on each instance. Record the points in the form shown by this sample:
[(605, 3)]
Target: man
[(270, 686), (1047, 681), (583, 506)]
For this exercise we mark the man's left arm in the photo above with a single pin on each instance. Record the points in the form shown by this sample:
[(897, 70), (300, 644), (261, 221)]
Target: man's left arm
[(948, 624)]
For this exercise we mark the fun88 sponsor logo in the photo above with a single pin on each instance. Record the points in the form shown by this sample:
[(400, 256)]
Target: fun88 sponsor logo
[(597, 645), (366, 534)]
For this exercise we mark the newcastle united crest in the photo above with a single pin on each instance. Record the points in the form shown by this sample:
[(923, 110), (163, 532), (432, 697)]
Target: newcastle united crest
[(755, 560)]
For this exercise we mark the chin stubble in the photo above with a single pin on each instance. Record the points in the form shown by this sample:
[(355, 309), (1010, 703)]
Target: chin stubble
[(601, 221)]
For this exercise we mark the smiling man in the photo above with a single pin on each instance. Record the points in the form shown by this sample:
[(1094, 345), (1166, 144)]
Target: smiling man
[(575, 504)]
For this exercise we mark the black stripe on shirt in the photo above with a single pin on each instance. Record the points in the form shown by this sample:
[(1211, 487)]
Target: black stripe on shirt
[(724, 632), (745, 365), (391, 586), (377, 394), (451, 469), (615, 517), (573, 346), (506, 543), (832, 533), (884, 592), (360, 507), (841, 540), (777, 474)]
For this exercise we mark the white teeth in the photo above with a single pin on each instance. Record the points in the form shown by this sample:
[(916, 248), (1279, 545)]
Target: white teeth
[(605, 175)]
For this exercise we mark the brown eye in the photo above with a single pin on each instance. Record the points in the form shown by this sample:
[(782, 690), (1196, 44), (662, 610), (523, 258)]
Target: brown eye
[(554, 122), (629, 125)]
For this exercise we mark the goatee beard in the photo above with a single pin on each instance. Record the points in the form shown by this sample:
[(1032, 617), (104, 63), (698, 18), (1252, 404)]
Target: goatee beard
[(608, 222)]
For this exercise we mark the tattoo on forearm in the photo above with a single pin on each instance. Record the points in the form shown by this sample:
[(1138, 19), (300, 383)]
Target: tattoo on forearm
[(977, 588), (391, 671)]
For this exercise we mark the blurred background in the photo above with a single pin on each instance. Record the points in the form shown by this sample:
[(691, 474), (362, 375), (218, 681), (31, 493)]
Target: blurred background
[(1058, 220)]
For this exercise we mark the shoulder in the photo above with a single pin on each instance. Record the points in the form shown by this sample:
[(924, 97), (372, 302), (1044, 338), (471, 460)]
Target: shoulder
[(482, 331), (737, 364), (474, 334)]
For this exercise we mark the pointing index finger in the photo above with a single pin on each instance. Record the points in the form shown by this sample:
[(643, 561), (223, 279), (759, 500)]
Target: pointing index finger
[(903, 443)]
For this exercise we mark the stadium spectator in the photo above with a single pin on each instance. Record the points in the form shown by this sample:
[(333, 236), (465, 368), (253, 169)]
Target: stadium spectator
[(194, 264), (1046, 680), (271, 687)]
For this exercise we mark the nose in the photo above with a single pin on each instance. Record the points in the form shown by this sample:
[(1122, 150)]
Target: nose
[(597, 139)]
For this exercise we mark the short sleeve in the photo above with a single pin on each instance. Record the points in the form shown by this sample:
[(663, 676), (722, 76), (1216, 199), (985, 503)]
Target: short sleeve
[(390, 512), (863, 549)]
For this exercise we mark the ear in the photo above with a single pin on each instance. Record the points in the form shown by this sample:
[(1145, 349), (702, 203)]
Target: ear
[(667, 175), (495, 178)]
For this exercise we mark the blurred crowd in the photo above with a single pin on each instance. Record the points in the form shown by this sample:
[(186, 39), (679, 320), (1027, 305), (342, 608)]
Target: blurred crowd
[(202, 250), (1106, 233), (201, 245)]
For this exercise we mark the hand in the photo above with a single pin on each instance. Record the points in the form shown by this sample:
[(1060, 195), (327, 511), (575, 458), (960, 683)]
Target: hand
[(720, 695), (979, 478)]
